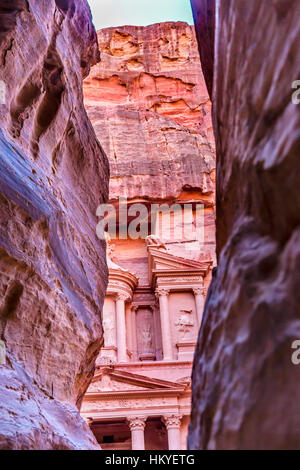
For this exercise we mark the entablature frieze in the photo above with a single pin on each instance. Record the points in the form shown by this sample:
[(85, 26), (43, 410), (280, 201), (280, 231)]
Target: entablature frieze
[(125, 402), (125, 407), (119, 415), (176, 392), (180, 285)]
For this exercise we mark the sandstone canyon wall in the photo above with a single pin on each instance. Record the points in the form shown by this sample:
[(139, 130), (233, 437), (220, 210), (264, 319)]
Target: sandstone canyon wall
[(149, 105), (245, 387), (53, 271)]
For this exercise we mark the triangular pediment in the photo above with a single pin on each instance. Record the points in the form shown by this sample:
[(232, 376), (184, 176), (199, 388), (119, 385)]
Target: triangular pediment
[(172, 264), (160, 261), (110, 380)]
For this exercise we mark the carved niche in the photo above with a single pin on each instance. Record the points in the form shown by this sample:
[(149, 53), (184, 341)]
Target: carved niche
[(109, 323), (185, 324), (145, 334)]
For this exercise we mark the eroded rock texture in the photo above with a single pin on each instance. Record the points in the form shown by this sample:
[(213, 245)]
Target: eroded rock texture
[(149, 105), (245, 387), (53, 271)]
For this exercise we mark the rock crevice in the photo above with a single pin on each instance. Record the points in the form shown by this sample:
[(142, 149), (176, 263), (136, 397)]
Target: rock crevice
[(245, 385)]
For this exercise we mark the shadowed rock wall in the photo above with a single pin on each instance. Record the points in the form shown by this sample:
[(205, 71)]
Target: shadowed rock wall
[(245, 387), (149, 105), (53, 176), (204, 12)]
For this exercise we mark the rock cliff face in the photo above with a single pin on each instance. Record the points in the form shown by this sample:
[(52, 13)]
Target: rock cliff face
[(245, 386), (204, 14), (53, 176), (149, 105), (150, 108)]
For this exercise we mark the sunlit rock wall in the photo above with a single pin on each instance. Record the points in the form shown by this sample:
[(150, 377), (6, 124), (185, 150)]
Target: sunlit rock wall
[(204, 13), (148, 102), (149, 105), (53, 176), (245, 386)]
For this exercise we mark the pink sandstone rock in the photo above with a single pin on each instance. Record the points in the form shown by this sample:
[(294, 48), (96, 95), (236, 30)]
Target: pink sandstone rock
[(245, 386), (149, 105), (53, 176)]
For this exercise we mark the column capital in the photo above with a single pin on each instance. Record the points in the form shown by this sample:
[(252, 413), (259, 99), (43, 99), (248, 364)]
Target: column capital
[(121, 326), (162, 291), (172, 421), (122, 296), (137, 422), (199, 290)]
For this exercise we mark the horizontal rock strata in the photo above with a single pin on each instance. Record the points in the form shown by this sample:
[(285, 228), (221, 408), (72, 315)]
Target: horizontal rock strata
[(148, 102), (150, 108), (53, 176)]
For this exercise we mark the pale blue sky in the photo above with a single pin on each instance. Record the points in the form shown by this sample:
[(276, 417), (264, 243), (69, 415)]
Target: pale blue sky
[(139, 12)]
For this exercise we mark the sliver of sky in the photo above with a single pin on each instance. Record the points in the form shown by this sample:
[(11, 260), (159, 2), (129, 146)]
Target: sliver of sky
[(108, 13)]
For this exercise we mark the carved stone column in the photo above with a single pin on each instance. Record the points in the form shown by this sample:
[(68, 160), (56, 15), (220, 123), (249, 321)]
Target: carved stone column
[(137, 425), (128, 328), (199, 293), (172, 424), (134, 333), (165, 323), (121, 327)]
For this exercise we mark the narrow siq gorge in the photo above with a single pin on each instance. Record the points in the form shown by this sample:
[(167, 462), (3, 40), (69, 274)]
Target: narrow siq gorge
[(150, 108), (176, 327)]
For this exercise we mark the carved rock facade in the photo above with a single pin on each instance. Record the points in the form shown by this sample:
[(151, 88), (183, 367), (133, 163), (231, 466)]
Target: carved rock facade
[(53, 272), (149, 105), (245, 386)]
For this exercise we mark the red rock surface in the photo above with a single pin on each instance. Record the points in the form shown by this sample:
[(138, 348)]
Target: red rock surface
[(53, 271), (245, 387), (149, 105)]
